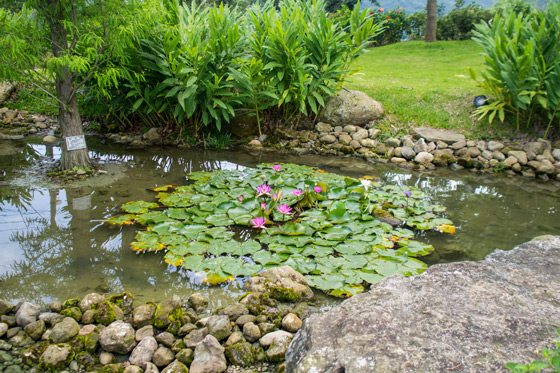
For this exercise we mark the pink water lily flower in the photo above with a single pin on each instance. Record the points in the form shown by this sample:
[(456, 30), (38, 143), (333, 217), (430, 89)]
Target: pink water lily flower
[(263, 205), (240, 198), (317, 189), (276, 167), (284, 209), (275, 197), (263, 190), (258, 223), (297, 192)]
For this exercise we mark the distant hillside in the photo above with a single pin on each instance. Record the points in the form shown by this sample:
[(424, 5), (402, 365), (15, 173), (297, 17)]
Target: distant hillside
[(411, 6)]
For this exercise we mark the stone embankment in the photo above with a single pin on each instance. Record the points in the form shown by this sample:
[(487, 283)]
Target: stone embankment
[(111, 334), (457, 317)]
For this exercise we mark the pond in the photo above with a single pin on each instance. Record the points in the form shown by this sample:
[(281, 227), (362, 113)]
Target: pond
[(54, 244)]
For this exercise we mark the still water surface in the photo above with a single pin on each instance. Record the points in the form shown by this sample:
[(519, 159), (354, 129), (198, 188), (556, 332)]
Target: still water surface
[(54, 245)]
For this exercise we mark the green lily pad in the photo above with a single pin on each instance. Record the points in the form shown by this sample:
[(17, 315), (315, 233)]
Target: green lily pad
[(139, 207)]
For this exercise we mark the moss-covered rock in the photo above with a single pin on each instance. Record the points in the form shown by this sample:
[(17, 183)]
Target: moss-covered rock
[(107, 313), (73, 312), (241, 354), (56, 357), (31, 354), (143, 315), (35, 329), (72, 302), (123, 301), (166, 313)]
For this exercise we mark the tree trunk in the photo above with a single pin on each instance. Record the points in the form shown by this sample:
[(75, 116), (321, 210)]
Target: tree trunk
[(68, 113), (431, 21)]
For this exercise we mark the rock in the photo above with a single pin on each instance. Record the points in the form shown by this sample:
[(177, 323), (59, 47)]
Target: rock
[(88, 337), (355, 144), (373, 133), (528, 173), (186, 329), (73, 312), (5, 307), (435, 135), (520, 155), (56, 357), (291, 323), (209, 357), (234, 311), (106, 358), (277, 350), (175, 367), (380, 149), (118, 337), (219, 327), (163, 357), (152, 136), (142, 315), (65, 330), (6, 89), (323, 127), (27, 313), (3, 329), (407, 153), (494, 146), (327, 139), (51, 318), (50, 139), (458, 145), (92, 299), (244, 319), (165, 338), (241, 354), (20, 338), (473, 152), (474, 315), (398, 160), (133, 369), (535, 147), (234, 338), (510, 161), (556, 154), (360, 134), (420, 146), (251, 332), (255, 144), (108, 312), (243, 124), (267, 339), (185, 356), (423, 157), (345, 139), (144, 332), (350, 108), (286, 133), (151, 368), (143, 352), (167, 312), (281, 283), (443, 157), (266, 327), (197, 301), (487, 154), (195, 337), (350, 129), (35, 329), (367, 143)]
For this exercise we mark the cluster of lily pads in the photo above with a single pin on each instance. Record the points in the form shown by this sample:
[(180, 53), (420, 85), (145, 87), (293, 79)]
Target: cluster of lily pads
[(333, 229)]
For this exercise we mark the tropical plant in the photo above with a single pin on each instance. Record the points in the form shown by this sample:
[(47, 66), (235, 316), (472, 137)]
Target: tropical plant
[(522, 58), (67, 44), (459, 23), (326, 226)]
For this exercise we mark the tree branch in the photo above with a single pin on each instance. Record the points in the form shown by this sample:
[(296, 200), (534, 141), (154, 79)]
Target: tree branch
[(30, 79)]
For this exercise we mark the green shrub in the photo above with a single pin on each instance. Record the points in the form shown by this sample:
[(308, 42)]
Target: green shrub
[(459, 23), (522, 58)]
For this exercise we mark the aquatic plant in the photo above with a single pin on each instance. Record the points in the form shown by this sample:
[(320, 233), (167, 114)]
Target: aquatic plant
[(330, 232)]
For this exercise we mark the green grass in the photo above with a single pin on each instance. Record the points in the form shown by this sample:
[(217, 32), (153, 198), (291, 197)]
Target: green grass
[(33, 100), (425, 84)]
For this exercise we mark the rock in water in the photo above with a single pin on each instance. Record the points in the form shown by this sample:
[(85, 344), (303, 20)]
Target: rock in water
[(352, 107), (468, 316)]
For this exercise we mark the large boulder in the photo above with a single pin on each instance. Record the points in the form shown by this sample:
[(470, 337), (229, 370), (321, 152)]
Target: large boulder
[(435, 135), (118, 338), (352, 107), (6, 89), (281, 283), (209, 357), (27, 313), (468, 316)]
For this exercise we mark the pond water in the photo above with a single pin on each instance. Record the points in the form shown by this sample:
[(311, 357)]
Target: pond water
[(54, 244)]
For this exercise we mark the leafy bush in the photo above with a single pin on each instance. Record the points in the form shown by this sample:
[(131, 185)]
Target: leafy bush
[(459, 23), (204, 62), (522, 58), (394, 22)]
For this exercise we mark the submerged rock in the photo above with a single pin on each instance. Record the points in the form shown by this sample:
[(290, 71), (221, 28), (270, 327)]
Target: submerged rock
[(474, 315)]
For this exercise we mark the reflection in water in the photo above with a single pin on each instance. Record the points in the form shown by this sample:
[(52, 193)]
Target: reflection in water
[(54, 245)]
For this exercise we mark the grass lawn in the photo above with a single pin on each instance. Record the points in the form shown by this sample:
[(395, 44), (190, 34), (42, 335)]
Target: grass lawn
[(425, 84)]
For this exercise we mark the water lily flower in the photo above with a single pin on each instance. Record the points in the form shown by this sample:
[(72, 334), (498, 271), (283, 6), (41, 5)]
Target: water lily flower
[(276, 167), (263, 190), (275, 197), (240, 198), (408, 193), (263, 205), (258, 223), (366, 183), (284, 209), (297, 192), (317, 189)]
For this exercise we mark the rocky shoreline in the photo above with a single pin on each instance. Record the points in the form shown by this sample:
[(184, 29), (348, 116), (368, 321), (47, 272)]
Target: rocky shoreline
[(423, 148), (109, 333)]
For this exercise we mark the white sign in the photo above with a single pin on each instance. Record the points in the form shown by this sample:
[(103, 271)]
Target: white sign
[(75, 142)]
